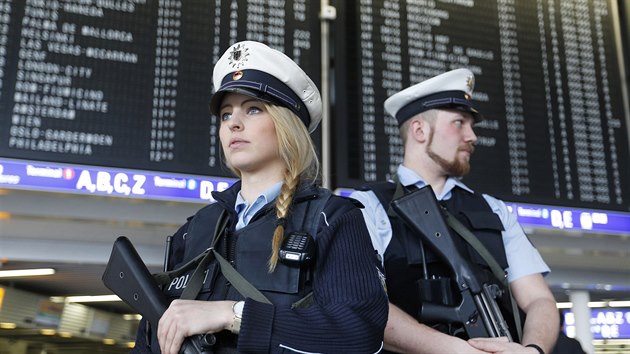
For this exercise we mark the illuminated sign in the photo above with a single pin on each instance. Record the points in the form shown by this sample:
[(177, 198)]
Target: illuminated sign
[(562, 218), (571, 218), (606, 323), (49, 313), (47, 176)]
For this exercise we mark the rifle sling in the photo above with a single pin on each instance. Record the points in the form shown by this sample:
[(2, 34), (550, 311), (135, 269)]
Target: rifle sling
[(496, 269), (196, 281), (469, 237), (474, 242), (168, 275), (241, 284)]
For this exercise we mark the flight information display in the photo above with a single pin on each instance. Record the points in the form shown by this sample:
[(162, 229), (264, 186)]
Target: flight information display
[(126, 83), (548, 81), (606, 323)]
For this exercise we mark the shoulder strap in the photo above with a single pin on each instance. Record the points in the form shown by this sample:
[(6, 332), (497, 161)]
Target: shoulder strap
[(398, 192), (167, 276), (313, 211), (241, 284), (469, 237), (196, 281), (311, 220), (386, 192)]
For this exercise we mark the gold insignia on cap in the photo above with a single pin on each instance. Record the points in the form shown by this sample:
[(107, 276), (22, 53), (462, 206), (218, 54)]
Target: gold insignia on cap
[(470, 82), (237, 75), (238, 56)]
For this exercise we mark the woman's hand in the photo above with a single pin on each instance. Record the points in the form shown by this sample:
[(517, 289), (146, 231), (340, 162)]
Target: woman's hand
[(185, 318)]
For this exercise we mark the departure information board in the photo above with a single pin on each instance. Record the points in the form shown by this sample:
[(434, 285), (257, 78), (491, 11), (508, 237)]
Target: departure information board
[(606, 323), (126, 83), (548, 81)]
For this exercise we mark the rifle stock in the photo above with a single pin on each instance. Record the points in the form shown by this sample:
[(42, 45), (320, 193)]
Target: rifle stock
[(477, 311), (128, 277)]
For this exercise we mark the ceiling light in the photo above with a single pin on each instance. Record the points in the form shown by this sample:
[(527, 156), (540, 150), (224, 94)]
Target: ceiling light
[(47, 332), (95, 298), (7, 325), (595, 304), (564, 305), (65, 334), (26, 272)]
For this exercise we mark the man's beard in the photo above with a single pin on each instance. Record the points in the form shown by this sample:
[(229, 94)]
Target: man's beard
[(457, 167)]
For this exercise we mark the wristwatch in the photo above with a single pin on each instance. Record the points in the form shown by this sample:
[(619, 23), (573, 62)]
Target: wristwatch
[(237, 308)]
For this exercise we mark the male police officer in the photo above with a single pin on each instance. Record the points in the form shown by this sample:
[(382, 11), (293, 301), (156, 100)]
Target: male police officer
[(436, 118)]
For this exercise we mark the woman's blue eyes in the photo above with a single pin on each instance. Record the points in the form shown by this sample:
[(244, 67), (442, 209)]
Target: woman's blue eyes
[(253, 110), (249, 111)]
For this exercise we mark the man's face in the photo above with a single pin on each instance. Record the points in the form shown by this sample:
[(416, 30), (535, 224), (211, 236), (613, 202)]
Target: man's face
[(450, 142)]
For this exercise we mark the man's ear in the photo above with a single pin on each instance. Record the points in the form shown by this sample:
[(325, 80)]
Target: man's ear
[(419, 129)]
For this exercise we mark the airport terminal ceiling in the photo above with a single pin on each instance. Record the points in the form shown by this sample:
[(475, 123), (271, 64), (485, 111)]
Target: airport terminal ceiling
[(122, 93)]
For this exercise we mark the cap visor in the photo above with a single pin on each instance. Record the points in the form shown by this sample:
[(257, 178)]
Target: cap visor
[(217, 98), (478, 117)]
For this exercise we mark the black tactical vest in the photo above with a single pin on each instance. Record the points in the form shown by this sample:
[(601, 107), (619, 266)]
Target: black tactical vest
[(248, 251), (416, 274)]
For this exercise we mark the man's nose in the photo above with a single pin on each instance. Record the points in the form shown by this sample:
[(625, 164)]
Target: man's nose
[(470, 136)]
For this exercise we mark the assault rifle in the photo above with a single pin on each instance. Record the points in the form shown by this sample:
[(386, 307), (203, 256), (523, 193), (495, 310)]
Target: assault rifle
[(478, 310), (128, 277)]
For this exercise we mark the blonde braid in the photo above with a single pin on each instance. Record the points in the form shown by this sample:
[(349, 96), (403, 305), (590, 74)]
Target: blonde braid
[(283, 202)]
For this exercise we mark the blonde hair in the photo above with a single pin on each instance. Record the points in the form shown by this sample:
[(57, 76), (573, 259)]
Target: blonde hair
[(301, 164), (297, 151)]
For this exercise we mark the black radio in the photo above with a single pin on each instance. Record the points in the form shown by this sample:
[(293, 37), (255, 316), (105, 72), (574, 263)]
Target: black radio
[(297, 249)]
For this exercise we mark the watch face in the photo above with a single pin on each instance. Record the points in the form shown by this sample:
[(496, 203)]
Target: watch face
[(238, 308)]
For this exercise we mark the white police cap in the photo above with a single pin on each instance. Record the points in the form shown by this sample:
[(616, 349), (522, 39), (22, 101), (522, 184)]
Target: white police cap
[(254, 69), (452, 90)]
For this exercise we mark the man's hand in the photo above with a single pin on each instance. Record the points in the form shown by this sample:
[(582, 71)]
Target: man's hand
[(404, 334), (500, 345)]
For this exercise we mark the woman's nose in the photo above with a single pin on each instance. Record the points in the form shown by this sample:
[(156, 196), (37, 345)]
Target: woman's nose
[(235, 122)]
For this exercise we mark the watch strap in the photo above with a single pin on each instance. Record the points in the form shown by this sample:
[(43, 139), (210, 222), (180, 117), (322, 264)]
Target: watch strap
[(540, 351)]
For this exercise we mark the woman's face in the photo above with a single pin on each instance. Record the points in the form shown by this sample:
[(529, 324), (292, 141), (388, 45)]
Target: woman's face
[(248, 134)]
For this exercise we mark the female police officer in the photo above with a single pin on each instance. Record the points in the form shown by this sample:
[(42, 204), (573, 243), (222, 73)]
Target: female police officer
[(328, 298)]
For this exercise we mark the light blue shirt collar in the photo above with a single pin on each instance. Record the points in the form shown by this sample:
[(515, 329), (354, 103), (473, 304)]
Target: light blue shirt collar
[(408, 177), (246, 212)]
